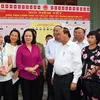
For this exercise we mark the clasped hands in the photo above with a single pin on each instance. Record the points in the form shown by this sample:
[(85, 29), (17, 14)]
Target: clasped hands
[(90, 72), (31, 70), (3, 71)]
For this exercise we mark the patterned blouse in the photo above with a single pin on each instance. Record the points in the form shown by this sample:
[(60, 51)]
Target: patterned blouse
[(91, 58)]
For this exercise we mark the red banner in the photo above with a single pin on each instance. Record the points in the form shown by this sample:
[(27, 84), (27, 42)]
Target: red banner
[(43, 15)]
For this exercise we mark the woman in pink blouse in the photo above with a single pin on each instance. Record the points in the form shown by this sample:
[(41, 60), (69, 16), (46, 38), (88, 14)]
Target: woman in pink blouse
[(28, 61)]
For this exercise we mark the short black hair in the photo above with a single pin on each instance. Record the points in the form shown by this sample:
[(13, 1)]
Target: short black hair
[(95, 33), (57, 26), (66, 31), (48, 36), (33, 35), (80, 28), (18, 41)]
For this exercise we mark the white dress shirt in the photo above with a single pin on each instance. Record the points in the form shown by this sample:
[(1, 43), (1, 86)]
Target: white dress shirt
[(68, 59), (44, 45), (50, 48), (83, 44)]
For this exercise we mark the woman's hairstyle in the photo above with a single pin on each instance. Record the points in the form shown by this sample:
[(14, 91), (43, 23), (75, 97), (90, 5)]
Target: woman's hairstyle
[(18, 41), (98, 30), (95, 33), (33, 35), (7, 39)]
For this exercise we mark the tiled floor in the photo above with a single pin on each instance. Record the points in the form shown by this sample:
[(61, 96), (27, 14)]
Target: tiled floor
[(45, 92)]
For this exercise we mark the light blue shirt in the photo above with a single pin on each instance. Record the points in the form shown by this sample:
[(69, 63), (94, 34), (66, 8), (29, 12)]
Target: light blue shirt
[(51, 48), (83, 44)]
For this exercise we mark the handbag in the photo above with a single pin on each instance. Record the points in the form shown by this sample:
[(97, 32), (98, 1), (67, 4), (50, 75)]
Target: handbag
[(91, 88)]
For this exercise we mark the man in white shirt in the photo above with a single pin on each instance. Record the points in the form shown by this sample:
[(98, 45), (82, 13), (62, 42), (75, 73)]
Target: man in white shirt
[(47, 38), (50, 53), (67, 66), (80, 37)]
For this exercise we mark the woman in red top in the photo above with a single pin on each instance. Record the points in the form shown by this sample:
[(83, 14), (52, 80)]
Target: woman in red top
[(28, 61)]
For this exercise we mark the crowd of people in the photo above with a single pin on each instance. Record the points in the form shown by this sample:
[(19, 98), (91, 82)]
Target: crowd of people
[(71, 67)]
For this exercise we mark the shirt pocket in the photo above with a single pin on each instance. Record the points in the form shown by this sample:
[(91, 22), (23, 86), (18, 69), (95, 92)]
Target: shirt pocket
[(66, 56)]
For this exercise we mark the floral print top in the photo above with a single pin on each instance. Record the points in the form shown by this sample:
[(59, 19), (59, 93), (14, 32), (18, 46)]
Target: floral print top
[(90, 59)]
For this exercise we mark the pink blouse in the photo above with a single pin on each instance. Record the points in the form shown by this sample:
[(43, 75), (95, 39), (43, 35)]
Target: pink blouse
[(26, 58)]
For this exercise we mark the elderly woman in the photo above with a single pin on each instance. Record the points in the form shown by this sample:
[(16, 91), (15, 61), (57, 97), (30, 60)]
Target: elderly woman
[(28, 62)]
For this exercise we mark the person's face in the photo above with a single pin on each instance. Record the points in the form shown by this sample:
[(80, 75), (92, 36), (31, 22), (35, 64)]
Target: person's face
[(55, 31), (48, 38), (92, 39), (1, 39), (28, 37), (14, 37), (61, 36), (75, 35), (79, 34)]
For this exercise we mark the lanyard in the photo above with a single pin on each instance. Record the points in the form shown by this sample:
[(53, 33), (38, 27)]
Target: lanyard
[(1, 57)]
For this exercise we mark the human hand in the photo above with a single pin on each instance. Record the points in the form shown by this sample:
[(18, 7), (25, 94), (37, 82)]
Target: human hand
[(51, 61), (52, 80), (15, 76), (4, 72), (73, 86), (34, 73), (29, 69), (88, 74)]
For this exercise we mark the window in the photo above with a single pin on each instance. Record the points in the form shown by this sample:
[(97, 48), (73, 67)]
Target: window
[(65, 2), (7, 1)]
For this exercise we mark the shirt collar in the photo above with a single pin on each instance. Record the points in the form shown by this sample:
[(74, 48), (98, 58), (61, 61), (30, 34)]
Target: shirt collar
[(54, 40), (25, 45), (84, 42), (68, 43)]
